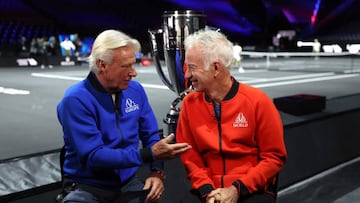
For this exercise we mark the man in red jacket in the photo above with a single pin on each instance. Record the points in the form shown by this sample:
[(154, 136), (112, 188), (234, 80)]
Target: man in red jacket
[(235, 130)]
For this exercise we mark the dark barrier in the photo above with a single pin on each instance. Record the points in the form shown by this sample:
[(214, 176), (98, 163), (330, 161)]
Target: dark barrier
[(319, 144), (300, 104)]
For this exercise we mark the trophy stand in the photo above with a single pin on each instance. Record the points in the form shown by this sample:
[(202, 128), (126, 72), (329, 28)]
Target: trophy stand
[(177, 25), (173, 114)]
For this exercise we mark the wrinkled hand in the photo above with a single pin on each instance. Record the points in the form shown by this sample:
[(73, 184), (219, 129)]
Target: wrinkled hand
[(156, 186), (164, 150), (223, 195)]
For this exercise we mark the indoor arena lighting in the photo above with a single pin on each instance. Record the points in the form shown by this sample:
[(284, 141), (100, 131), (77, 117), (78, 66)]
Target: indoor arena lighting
[(315, 11)]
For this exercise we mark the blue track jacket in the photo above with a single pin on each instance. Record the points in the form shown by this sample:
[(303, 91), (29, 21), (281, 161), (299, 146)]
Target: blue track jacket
[(102, 136)]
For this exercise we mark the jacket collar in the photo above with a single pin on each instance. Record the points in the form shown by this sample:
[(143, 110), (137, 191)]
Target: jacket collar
[(233, 90), (95, 82)]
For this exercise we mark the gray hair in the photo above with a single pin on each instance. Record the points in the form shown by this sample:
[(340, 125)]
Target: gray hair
[(104, 45), (214, 46)]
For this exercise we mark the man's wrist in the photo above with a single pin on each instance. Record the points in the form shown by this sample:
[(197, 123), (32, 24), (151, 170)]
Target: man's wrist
[(236, 185), (159, 174)]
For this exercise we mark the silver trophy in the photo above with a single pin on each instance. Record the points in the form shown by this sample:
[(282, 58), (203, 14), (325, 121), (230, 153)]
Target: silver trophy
[(177, 25)]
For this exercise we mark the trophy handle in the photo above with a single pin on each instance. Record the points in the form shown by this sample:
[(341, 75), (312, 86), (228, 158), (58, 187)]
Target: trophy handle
[(154, 50)]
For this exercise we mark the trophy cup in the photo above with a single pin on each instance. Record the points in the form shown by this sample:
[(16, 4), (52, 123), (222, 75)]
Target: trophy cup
[(177, 25)]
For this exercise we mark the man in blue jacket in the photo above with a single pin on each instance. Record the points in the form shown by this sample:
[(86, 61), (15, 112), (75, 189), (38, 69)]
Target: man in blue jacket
[(104, 118)]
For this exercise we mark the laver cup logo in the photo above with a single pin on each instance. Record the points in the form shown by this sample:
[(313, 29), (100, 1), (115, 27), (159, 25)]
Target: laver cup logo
[(131, 106), (168, 43)]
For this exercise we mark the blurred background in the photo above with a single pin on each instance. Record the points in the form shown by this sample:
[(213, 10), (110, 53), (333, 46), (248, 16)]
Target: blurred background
[(260, 25)]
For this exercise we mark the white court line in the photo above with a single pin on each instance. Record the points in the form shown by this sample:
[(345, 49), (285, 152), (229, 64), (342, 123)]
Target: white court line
[(305, 80), (155, 86), (324, 76), (249, 71), (62, 77), (12, 91), (352, 71), (290, 77), (147, 71)]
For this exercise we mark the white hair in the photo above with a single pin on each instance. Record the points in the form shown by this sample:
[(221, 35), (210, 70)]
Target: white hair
[(214, 46), (104, 45)]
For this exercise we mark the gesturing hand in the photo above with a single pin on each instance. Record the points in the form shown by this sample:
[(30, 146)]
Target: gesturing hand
[(164, 150)]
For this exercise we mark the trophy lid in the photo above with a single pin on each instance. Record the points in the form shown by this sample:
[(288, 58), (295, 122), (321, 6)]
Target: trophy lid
[(183, 13)]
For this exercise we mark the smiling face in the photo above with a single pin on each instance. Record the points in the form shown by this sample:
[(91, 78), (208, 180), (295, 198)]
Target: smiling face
[(200, 76), (117, 75)]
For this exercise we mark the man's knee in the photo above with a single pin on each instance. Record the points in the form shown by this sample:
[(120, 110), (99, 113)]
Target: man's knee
[(80, 195)]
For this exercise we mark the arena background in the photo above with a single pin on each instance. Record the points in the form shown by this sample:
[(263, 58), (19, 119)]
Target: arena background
[(323, 145)]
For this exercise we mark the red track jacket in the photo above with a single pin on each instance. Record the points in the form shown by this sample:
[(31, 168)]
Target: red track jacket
[(244, 147)]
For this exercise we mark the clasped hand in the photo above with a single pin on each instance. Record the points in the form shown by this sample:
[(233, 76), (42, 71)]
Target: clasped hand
[(223, 195)]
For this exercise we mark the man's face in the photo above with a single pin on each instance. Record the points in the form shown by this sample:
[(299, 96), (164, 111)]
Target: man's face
[(196, 72), (118, 74)]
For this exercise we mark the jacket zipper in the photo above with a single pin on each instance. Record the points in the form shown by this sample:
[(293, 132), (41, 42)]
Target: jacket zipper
[(116, 103), (218, 119)]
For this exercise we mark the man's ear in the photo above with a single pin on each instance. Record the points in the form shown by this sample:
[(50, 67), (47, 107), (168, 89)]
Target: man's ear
[(216, 69), (101, 64), (216, 66)]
